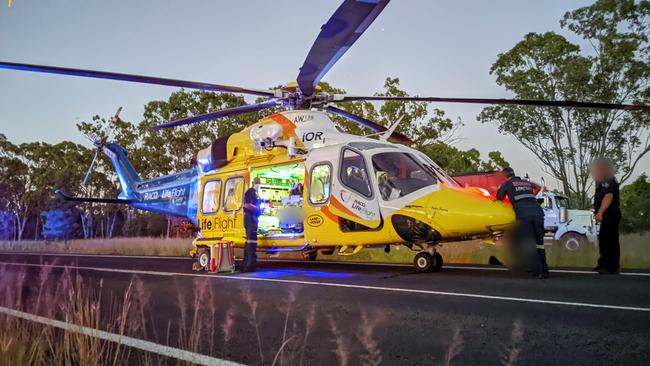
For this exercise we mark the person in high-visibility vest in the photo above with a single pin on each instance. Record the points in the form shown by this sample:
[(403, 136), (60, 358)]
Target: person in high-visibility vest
[(530, 219)]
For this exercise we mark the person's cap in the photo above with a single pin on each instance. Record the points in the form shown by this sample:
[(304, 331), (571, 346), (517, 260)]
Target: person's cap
[(509, 172)]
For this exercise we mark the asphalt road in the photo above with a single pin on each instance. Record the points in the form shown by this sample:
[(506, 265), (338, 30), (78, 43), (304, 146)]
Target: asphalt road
[(346, 313)]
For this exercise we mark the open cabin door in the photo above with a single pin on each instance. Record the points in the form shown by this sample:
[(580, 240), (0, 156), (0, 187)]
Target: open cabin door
[(351, 193)]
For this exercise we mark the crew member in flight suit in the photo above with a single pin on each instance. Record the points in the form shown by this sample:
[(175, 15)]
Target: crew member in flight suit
[(608, 213), (530, 218), (251, 218)]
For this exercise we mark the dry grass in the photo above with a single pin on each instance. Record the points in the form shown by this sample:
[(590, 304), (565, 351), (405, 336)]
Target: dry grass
[(125, 246), (65, 298), (202, 325)]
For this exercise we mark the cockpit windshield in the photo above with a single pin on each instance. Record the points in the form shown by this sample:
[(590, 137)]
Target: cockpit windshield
[(437, 171), (399, 174)]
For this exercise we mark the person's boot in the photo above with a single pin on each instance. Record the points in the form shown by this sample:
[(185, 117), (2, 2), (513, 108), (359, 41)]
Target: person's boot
[(542, 256), (494, 261), (607, 271), (599, 265)]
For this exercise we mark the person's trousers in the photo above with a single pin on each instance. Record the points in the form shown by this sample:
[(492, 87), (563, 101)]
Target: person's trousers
[(250, 249), (609, 245), (531, 240)]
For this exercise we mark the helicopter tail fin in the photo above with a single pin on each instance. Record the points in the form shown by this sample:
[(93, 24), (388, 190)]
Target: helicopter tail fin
[(127, 175)]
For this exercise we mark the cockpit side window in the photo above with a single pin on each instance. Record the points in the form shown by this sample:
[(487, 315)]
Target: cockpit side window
[(399, 174), (354, 174)]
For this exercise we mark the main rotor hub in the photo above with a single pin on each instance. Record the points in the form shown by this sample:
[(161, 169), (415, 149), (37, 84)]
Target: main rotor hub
[(292, 97)]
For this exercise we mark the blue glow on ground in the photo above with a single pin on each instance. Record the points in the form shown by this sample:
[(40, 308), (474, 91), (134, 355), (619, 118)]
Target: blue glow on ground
[(280, 273)]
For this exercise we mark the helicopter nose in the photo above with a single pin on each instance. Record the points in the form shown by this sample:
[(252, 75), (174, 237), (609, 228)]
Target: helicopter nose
[(500, 216), (462, 213)]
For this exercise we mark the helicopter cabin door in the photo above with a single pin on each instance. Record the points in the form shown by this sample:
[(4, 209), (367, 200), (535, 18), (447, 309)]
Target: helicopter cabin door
[(352, 198)]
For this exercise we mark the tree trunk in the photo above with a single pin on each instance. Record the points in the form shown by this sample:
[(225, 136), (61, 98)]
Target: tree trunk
[(36, 230), (112, 227), (21, 225), (101, 228), (84, 225)]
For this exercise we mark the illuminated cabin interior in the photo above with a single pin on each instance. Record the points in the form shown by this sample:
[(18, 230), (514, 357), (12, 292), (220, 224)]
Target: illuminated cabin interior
[(281, 192)]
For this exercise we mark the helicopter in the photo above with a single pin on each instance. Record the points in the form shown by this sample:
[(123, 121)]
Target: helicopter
[(323, 190)]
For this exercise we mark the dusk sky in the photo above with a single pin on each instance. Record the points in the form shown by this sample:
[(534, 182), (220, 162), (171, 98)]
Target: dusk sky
[(435, 47)]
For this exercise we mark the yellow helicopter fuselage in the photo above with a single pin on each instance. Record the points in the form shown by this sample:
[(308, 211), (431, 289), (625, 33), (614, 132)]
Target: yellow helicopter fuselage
[(348, 199)]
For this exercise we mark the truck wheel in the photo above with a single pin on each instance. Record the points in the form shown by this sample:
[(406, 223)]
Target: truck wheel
[(572, 241), (423, 262), (203, 259), (437, 263)]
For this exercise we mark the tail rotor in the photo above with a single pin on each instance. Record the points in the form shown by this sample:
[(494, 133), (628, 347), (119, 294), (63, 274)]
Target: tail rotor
[(99, 142)]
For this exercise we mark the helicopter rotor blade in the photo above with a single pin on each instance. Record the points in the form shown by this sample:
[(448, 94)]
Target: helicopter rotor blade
[(113, 123), (343, 28), (116, 117), (219, 114), (395, 136), (495, 101), (134, 78), (90, 168)]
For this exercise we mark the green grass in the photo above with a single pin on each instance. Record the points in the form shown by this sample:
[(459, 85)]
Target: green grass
[(635, 251)]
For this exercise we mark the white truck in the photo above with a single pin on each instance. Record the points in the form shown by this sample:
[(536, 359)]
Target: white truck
[(567, 227)]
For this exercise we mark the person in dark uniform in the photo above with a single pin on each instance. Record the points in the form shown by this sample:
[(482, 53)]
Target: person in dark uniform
[(607, 210), (251, 217), (530, 219)]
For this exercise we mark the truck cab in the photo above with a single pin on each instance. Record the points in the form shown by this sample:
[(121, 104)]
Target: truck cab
[(570, 227)]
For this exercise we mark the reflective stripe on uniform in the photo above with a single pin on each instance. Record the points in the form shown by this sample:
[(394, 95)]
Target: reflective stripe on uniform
[(540, 247), (522, 196)]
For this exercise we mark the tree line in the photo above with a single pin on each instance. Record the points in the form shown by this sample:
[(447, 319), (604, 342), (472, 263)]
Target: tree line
[(608, 60)]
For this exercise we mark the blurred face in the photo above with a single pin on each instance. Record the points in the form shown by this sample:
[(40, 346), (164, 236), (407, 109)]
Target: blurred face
[(600, 172)]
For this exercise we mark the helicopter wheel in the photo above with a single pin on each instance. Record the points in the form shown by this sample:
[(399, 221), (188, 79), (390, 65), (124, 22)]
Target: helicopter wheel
[(425, 262), (203, 259)]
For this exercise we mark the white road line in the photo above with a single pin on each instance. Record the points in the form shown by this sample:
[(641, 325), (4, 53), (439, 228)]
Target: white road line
[(451, 266), (343, 285), (152, 347)]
